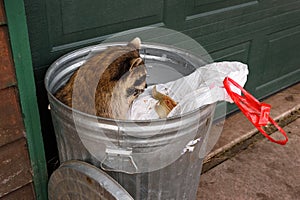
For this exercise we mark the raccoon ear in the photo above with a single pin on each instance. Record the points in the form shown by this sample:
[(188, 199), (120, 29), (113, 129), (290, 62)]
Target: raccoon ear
[(135, 43), (135, 62)]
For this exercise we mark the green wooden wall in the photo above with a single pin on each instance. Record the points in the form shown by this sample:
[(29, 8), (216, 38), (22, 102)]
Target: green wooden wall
[(265, 34)]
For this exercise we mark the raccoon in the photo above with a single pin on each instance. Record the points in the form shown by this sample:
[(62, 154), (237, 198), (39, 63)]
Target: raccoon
[(107, 83)]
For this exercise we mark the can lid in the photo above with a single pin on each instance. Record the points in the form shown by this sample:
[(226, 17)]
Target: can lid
[(80, 180)]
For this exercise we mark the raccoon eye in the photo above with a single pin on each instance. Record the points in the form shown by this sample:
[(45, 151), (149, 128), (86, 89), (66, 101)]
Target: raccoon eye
[(140, 80), (130, 91)]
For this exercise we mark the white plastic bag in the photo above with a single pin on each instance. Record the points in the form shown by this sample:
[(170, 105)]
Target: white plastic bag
[(203, 86)]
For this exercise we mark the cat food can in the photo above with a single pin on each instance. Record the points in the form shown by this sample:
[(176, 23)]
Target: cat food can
[(151, 159)]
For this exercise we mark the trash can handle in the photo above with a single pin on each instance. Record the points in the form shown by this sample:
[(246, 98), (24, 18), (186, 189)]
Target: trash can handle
[(257, 113)]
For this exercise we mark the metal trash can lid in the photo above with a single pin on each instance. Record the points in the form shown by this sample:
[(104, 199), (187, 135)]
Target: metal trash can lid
[(80, 180)]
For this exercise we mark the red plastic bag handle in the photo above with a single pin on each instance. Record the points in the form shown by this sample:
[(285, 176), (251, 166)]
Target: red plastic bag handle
[(257, 113)]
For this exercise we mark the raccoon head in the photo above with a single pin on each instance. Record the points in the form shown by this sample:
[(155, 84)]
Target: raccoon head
[(129, 76), (132, 72)]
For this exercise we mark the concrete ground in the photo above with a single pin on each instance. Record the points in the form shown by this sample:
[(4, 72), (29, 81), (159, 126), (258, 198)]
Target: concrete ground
[(251, 167)]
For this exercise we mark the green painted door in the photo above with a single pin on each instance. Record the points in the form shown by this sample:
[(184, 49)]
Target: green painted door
[(265, 34)]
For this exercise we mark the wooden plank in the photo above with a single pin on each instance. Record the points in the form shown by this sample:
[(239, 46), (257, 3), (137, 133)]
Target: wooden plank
[(7, 75), (11, 123), (18, 34), (25, 192), (15, 170), (2, 13), (10, 114)]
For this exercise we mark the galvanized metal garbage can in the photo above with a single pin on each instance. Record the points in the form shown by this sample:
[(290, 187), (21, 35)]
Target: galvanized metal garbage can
[(149, 159)]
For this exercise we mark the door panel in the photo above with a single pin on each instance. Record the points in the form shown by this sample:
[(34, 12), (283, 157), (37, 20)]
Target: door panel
[(197, 8), (237, 52), (75, 20), (283, 51), (281, 60)]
